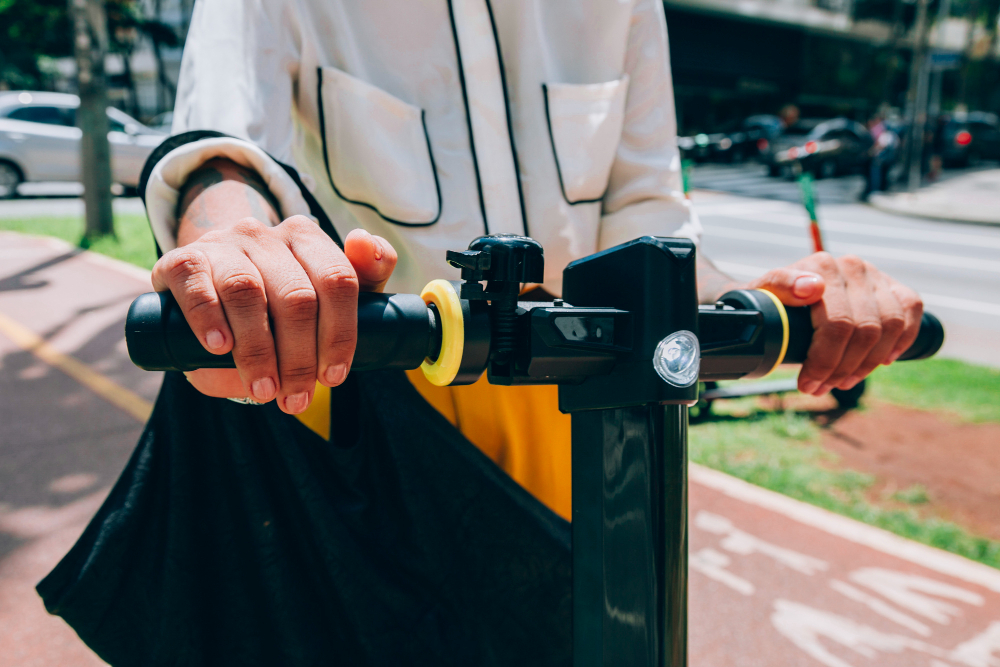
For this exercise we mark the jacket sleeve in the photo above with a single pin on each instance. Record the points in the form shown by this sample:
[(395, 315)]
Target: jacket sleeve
[(237, 80), (645, 195)]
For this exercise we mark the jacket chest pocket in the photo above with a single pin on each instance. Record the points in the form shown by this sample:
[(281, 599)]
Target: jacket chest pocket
[(585, 127), (377, 151)]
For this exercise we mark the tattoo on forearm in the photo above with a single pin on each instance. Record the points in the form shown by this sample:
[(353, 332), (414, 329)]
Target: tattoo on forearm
[(260, 202), (190, 203), (712, 283)]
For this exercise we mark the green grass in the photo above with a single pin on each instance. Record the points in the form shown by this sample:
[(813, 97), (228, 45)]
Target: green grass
[(781, 451), (971, 392), (133, 241)]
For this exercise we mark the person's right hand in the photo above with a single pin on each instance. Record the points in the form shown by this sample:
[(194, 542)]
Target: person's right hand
[(282, 299)]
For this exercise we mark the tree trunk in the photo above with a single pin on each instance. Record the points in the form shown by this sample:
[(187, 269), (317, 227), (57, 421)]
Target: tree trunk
[(91, 43)]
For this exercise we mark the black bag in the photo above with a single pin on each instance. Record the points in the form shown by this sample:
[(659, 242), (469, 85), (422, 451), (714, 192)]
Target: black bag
[(237, 536)]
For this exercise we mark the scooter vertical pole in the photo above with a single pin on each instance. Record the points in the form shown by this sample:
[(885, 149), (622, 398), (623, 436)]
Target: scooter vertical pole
[(630, 537), (629, 469)]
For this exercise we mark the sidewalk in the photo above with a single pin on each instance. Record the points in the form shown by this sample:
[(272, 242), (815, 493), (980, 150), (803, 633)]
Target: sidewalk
[(971, 198)]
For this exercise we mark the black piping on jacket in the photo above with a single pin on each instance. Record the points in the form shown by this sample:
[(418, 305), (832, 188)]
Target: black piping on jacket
[(510, 120), (468, 116), (555, 155), (326, 162)]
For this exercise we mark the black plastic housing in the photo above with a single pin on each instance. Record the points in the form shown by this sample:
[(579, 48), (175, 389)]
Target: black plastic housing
[(741, 336), (394, 331), (652, 278)]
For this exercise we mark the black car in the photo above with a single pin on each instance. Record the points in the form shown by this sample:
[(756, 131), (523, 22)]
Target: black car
[(826, 148), (702, 147), (968, 138), (736, 143)]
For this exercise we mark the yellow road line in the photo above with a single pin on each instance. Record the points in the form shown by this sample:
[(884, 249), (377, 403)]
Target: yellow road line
[(106, 388)]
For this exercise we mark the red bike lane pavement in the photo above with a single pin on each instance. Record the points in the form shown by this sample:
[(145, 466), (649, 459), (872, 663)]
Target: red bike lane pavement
[(773, 581)]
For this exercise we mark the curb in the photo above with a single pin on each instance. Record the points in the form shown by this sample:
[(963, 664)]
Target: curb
[(914, 209)]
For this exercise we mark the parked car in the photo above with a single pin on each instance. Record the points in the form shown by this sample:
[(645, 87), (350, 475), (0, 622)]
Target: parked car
[(968, 138), (700, 147), (39, 141), (162, 122), (753, 138), (827, 148), (739, 142)]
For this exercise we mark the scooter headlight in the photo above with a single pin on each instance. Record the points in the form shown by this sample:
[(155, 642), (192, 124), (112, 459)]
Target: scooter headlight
[(677, 359)]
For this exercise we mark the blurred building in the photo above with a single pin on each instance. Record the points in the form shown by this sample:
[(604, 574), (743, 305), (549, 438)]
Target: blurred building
[(734, 58)]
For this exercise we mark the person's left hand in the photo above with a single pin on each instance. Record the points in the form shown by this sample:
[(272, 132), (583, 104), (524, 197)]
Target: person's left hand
[(862, 317)]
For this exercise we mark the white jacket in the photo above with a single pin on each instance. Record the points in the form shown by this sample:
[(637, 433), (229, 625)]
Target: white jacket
[(431, 122)]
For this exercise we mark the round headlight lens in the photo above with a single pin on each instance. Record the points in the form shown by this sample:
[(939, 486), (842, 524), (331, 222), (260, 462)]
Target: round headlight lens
[(677, 359)]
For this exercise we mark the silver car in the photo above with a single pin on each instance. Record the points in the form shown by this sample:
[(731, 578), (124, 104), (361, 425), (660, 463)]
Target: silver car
[(39, 141)]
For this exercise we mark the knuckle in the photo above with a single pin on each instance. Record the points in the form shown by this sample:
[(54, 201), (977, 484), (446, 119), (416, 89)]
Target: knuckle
[(299, 224), (341, 280), (252, 353), (826, 262), (868, 333), (913, 303), (242, 290), (892, 325), (853, 264), (184, 263), (200, 299), (298, 374), (841, 327), (300, 303), (250, 228), (341, 338)]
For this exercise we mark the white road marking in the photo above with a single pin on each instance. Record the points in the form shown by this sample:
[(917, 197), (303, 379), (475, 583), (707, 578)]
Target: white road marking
[(848, 529), (957, 303), (936, 300), (913, 593), (805, 627), (800, 220), (981, 650), (713, 565), (745, 544), (898, 254), (880, 607)]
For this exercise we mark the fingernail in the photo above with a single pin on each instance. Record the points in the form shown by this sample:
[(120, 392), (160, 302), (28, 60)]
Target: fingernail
[(335, 374), (810, 387), (296, 403), (804, 286), (262, 389), (214, 339), (378, 248)]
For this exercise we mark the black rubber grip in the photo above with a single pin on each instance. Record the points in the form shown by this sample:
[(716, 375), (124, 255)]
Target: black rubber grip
[(800, 332), (394, 331)]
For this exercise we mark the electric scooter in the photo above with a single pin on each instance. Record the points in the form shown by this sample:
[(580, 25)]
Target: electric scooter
[(626, 344)]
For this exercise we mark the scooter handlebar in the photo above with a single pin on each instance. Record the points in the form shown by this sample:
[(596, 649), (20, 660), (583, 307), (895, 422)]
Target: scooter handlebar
[(800, 332), (394, 331), (746, 336)]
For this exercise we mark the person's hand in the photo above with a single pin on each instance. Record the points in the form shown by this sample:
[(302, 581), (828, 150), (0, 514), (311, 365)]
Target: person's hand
[(282, 299), (862, 317)]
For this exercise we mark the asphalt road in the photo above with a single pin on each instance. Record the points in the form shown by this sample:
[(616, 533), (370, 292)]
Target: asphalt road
[(955, 267)]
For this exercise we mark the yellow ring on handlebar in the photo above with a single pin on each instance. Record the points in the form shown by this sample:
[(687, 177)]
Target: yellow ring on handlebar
[(443, 370), (784, 329)]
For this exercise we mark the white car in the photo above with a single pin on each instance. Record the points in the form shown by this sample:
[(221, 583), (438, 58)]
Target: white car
[(39, 141)]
